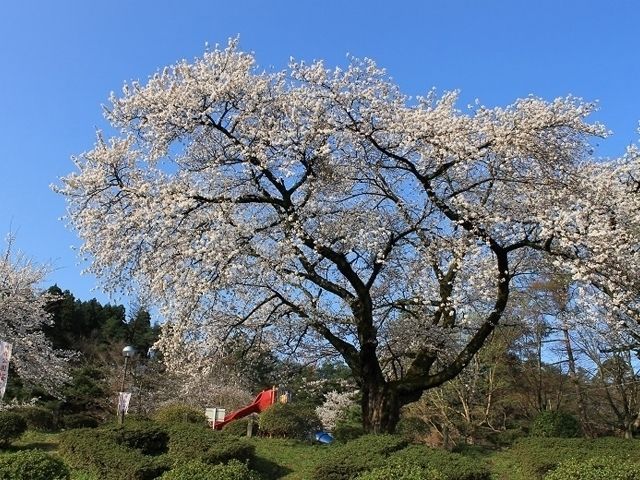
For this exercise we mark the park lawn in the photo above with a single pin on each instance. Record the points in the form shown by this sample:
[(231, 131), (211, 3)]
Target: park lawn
[(284, 459), (40, 440)]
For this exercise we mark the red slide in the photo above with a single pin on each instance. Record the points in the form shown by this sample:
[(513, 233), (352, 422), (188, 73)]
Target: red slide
[(264, 400)]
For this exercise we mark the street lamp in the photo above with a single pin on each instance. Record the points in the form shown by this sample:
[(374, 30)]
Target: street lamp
[(127, 352)]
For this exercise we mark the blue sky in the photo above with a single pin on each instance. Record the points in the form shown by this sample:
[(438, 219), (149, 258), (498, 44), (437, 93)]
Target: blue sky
[(59, 61)]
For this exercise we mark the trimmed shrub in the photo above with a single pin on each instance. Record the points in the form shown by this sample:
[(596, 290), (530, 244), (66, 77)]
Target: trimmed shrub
[(346, 431), (349, 427), (452, 466), (555, 424), (179, 413), (234, 470), (289, 420), (597, 468), (12, 426), (413, 428), (193, 442), (97, 452), (532, 458), (32, 465), (403, 472), (343, 462), (82, 475), (38, 418), (148, 437), (506, 437), (239, 427), (79, 420)]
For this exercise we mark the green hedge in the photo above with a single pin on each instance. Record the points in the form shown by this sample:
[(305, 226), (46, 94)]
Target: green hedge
[(403, 472), (375, 457), (505, 438), (148, 437), (80, 420), (234, 470), (414, 428), (452, 466), (347, 431), (596, 468), (12, 426), (239, 427), (38, 418), (32, 465), (343, 462), (555, 424), (96, 451), (136, 450), (194, 442), (289, 420), (532, 458), (180, 413), (349, 427)]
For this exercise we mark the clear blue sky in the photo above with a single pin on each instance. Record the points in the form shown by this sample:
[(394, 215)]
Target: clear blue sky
[(59, 61)]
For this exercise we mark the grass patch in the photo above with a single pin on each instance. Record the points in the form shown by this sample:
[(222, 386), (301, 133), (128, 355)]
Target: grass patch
[(282, 459), (40, 440)]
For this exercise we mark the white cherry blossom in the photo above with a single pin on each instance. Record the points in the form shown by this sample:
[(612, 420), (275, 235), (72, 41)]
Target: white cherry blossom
[(316, 210)]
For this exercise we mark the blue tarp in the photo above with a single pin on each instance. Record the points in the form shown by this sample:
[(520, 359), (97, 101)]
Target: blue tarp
[(324, 437)]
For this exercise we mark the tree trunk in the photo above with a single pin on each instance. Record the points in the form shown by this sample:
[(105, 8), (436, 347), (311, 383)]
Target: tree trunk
[(628, 432), (573, 375), (380, 408)]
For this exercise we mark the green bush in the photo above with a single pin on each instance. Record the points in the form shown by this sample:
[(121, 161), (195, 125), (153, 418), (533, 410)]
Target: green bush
[(82, 475), (234, 470), (148, 437), (453, 466), (343, 462), (507, 437), (32, 465), (239, 427), (194, 442), (289, 420), (38, 418), (349, 427), (532, 458), (179, 413), (346, 431), (413, 428), (597, 468), (96, 451), (403, 472), (12, 426), (555, 424), (79, 420)]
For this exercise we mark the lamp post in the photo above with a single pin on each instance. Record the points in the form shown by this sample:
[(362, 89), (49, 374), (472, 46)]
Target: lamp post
[(127, 352)]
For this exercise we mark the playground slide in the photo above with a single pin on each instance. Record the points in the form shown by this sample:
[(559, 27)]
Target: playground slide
[(264, 400)]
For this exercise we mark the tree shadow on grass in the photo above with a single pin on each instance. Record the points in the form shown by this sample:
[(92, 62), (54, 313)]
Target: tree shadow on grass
[(268, 469), (33, 441), (46, 446)]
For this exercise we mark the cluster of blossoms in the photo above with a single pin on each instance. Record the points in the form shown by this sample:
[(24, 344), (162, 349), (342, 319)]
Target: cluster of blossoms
[(336, 405), (22, 319)]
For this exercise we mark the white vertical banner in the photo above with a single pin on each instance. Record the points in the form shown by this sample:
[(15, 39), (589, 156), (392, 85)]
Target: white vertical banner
[(5, 357), (123, 402)]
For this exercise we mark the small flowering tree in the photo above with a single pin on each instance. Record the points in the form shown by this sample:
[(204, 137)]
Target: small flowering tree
[(317, 210), (336, 405), (22, 317)]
